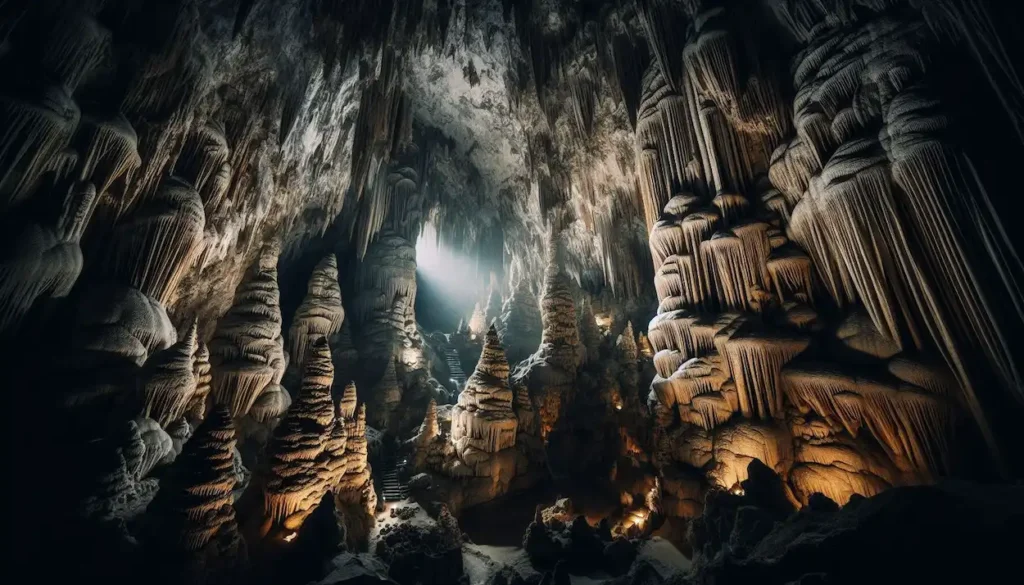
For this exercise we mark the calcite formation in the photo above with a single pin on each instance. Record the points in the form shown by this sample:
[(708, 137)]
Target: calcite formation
[(321, 313), (520, 322), (194, 530), (301, 466), (355, 499), (168, 383), (246, 351), (483, 422)]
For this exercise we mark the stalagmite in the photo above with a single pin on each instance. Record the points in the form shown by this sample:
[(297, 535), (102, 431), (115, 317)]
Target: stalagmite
[(560, 334), (168, 384), (297, 466), (355, 499), (195, 412), (386, 398), (628, 356), (245, 351), (483, 421), (321, 312), (429, 430), (590, 335), (520, 322), (193, 517), (492, 312), (477, 321), (158, 243)]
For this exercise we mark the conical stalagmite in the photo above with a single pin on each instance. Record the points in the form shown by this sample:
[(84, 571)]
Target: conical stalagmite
[(168, 383), (520, 322), (321, 313), (193, 527), (483, 421), (245, 351), (298, 473)]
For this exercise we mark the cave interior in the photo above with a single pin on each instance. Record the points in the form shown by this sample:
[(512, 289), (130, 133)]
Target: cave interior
[(512, 292)]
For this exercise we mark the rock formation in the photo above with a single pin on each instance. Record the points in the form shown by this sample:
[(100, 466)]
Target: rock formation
[(355, 499), (299, 473), (246, 351), (321, 313), (802, 201), (483, 422), (193, 531), (520, 322)]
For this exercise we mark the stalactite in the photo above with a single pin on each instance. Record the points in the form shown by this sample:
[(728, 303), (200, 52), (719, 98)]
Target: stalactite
[(961, 238), (321, 312), (37, 125), (791, 272), (912, 424), (110, 150), (73, 48), (204, 162), (755, 360), (156, 245), (42, 260), (297, 470), (246, 351), (167, 384)]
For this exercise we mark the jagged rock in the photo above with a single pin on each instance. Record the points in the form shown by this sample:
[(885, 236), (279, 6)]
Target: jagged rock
[(425, 554)]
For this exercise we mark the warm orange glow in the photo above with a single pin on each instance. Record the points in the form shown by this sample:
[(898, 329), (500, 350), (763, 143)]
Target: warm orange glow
[(291, 536), (737, 490)]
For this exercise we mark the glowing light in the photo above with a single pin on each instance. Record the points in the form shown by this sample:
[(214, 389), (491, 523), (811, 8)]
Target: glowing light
[(618, 407), (291, 536), (737, 490), (454, 275)]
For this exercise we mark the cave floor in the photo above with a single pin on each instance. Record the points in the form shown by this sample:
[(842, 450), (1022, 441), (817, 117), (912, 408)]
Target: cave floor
[(499, 546)]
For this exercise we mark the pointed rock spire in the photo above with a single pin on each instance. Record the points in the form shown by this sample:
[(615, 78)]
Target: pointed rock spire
[(321, 312)]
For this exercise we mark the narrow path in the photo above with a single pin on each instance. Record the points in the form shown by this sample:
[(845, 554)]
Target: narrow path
[(455, 367), (393, 489)]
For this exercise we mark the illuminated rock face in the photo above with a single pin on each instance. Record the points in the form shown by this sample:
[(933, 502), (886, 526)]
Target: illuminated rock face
[(870, 194), (483, 421), (301, 468), (520, 322)]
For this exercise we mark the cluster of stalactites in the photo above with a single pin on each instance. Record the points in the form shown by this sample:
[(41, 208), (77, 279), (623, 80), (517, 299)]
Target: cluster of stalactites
[(45, 257), (303, 445), (483, 420), (155, 246), (247, 350), (908, 410), (860, 197), (321, 312)]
